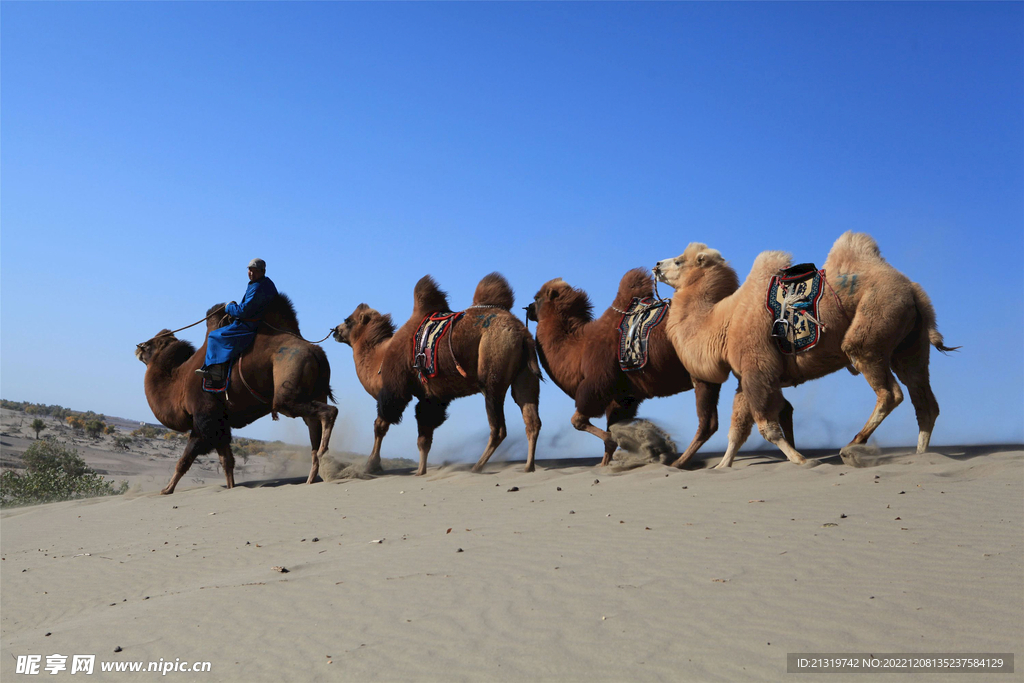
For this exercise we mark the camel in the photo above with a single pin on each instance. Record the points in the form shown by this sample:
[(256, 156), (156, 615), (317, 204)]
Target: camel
[(580, 353), (489, 344), (876, 322), (279, 374)]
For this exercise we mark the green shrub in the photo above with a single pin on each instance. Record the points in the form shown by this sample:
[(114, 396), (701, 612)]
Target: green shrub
[(53, 473), (148, 432), (94, 427)]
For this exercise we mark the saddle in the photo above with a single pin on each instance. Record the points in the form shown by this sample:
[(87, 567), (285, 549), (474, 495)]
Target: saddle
[(424, 343), (792, 299), (218, 385), (641, 316)]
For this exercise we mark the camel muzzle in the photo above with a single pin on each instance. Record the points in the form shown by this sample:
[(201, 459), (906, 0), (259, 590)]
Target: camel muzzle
[(531, 312)]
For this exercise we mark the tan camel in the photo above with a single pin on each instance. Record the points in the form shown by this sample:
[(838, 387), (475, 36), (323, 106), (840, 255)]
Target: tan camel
[(580, 353), (491, 345), (884, 324), (279, 373)]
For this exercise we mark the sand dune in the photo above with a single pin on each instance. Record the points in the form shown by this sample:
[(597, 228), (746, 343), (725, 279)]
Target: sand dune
[(581, 574)]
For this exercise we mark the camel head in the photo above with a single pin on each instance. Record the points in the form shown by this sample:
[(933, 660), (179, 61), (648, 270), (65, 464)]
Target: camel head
[(673, 271), (147, 350), (363, 321), (559, 297)]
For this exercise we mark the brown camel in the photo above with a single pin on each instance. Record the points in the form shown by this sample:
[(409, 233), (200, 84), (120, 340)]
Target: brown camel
[(581, 355), (876, 322), (279, 373), (490, 345)]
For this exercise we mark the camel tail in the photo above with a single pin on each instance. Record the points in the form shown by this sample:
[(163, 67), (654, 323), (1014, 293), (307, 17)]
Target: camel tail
[(927, 313), (494, 290), (322, 386), (530, 351)]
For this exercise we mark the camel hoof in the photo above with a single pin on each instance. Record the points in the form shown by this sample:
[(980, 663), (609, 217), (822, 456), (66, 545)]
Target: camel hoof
[(373, 467), (165, 492), (529, 468), (476, 469), (722, 466)]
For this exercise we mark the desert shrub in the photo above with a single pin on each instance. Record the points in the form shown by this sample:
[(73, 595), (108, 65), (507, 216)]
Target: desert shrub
[(148, 432), (122, 442), (110, 429), (94, 427), (37, 426), (53, 473)]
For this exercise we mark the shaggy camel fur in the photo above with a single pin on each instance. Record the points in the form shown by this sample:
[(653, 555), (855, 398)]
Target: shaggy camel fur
[(279, 373), (884, 324), (581, 355), (492, 346)]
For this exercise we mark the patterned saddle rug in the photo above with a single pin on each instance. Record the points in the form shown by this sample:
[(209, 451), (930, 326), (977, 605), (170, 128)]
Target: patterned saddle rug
[(424, 343), (792, 299), (642, 316)]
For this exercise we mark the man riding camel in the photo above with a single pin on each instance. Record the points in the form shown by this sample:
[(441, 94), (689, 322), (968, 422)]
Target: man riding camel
[(227, 343)]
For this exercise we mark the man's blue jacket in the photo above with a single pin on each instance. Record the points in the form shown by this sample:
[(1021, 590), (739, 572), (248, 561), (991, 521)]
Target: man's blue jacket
[(227, 343)]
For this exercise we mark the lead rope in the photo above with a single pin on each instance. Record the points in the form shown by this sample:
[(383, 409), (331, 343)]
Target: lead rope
[(838, 301), (329, 333), (451, 333), (164, 334), (246, 384)]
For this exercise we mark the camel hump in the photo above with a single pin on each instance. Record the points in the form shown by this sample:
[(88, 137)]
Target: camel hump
[(281, 314), (927, 312), (428, 297), (856, 244), (637, 282), (494, 290), (769, 263)]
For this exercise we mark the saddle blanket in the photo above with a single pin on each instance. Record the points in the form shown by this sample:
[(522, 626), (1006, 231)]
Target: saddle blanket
[(642, 316), (792, 299), (424, 343)]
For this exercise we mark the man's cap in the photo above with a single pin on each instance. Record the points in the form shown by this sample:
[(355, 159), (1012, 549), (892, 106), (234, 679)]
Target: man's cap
[(258, 264)]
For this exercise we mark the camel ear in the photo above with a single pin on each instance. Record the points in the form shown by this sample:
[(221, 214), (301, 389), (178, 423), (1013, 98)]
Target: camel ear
[(364, 318), (703, 259), (552, 294)]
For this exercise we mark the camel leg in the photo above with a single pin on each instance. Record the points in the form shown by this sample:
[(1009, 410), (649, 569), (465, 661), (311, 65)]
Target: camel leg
[(430, 414), (765, 403), (706, 395), (911, 368), (197, 445), (315, 434), (786, 422), (495, 402), (887, 392), (739, 428), (380, 430), (227, 461), (319, 418), (526, 394), (328, 415), (582, 423)]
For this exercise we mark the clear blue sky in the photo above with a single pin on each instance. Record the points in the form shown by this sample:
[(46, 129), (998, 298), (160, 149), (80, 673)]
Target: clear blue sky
[(149, 150)]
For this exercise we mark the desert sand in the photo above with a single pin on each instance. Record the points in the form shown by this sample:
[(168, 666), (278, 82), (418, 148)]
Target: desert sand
[(572, 573)]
